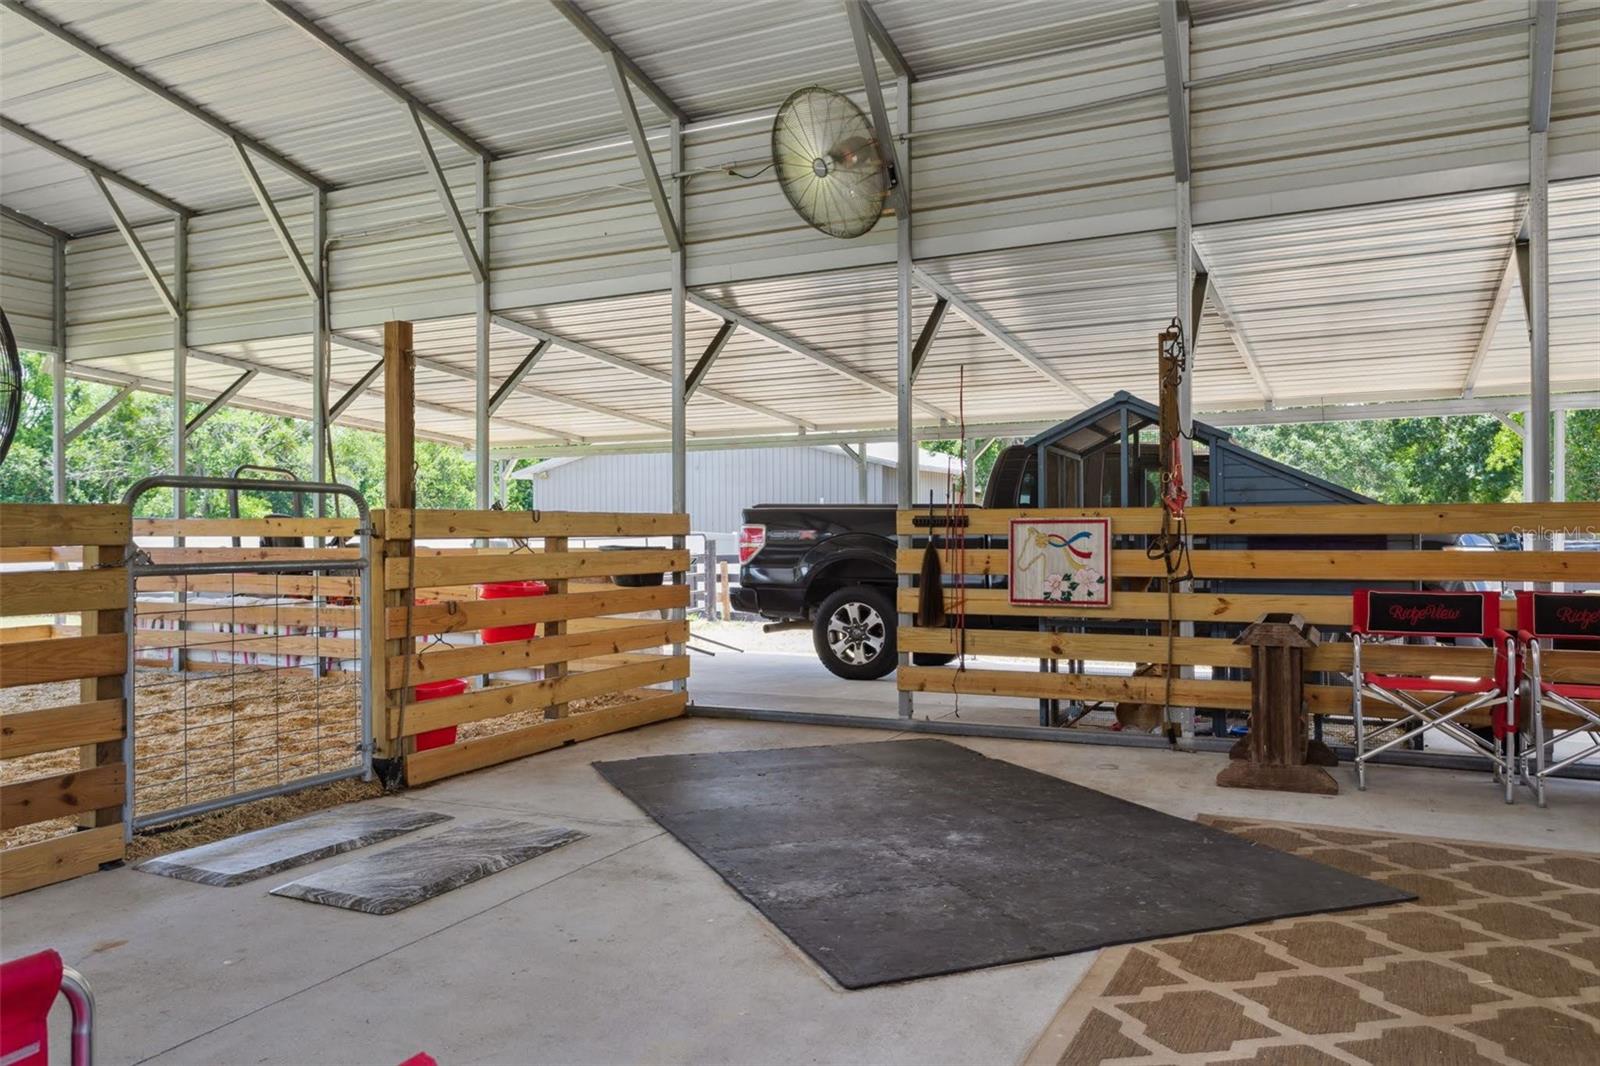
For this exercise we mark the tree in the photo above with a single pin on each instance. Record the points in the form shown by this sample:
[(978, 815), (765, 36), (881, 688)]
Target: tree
[(133, 441)]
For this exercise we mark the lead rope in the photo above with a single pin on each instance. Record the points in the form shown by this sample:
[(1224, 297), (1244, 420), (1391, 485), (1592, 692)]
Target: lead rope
[(1171, 546)]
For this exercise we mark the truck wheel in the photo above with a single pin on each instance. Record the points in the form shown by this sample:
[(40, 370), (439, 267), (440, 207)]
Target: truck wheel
[(854, 633)]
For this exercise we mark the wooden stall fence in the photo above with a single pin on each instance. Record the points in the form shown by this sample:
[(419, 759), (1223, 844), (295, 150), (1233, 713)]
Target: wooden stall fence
[(598, 642), (87, 733), (1280, 566)]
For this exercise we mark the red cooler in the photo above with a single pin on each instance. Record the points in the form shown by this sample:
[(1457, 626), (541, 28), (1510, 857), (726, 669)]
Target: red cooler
[(438, 690), (506, 590)]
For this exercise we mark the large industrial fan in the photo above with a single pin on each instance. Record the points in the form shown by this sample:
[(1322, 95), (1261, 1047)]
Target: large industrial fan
[(828, 162), (10, 386)]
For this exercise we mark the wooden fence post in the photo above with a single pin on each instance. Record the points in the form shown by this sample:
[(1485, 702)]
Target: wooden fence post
[(400, 499), (100, 623), (558, 587)]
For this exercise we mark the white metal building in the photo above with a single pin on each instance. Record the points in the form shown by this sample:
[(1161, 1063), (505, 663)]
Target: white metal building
[(1390, 203), (724, 481)]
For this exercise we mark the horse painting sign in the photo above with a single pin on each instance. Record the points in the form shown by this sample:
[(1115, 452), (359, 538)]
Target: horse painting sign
[(1065, 562)]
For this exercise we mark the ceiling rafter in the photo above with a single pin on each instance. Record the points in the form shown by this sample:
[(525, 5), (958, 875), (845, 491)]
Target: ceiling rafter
[(796, 346), (162, 92), (83, 162), (984, 323), (601, 40), (641, 370), (378, 78)]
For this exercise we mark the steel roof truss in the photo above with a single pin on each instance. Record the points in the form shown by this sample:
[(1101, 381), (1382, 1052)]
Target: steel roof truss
[(136, 246), (275, 219)]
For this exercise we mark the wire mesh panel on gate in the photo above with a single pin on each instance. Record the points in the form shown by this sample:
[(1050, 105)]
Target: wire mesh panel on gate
[(246, 677)]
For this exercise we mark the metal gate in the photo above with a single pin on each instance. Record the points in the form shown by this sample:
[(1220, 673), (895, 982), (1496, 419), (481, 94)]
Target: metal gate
[(246, 663)]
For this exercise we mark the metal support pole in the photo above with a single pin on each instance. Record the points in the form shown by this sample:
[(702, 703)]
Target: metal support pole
[(1559, 495), (321, 353), (1537, 443), (180, 358), (863, 474), (58, 382), (905, 438), (481, 383), (680, 312)]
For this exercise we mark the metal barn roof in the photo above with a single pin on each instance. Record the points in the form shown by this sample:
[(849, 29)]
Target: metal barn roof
[(1360, 176)]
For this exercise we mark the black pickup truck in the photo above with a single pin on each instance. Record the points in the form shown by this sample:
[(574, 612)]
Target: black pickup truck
[(833, 565)]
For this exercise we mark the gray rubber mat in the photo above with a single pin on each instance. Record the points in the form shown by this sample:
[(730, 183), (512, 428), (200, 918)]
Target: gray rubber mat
[(272, 850), (407, 874), (901, 859)]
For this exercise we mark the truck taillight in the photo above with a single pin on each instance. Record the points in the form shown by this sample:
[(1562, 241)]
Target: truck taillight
[(751, 540)]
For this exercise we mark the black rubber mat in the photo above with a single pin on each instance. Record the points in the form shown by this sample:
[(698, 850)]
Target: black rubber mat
[(902, 859)]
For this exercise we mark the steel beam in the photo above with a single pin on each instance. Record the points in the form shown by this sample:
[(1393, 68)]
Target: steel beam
[(1241, 339), (1512, 424), (163, 93), (641, 151), (1491, 321), (1536, 453), (430, 363), (376, 77), (702, 366), (275, 220), (354, 391), (1031, 427), (424, 405), (136, 246), (94, 416), (180, 357), (218, 402), (1174, 49), (621, 363), (447, 200), (58, 367), (798, 347), (83, 162), (53, 232), (509, 385), (680, 388), (882, 132), (597, 37), (484, 471), (930, 330), (321, 356), (886, 46), (980, 320)]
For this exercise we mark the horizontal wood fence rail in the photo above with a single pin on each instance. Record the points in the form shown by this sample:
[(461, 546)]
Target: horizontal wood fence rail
[(63, 762), (25, 592), (1290, 578), (1314, 565), (208, 554), (1347, 519), (471, 525), (602, 628), (529, 566)]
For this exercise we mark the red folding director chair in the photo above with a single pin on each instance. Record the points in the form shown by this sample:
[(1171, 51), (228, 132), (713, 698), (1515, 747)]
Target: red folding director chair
[(1557, 616), (1434, 703), (28, 988)]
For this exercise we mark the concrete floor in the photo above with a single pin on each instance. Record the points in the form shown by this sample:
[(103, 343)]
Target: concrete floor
[(623, 947)]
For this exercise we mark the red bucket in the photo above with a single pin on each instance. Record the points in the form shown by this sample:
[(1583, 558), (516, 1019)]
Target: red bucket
[(506, 590), (438, 690)]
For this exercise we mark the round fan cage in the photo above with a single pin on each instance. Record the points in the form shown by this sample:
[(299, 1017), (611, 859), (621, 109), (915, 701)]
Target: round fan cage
[(10, 386), (828, 163)]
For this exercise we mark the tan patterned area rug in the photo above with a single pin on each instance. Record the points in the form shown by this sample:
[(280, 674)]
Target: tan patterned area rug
[(1498, 961)]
